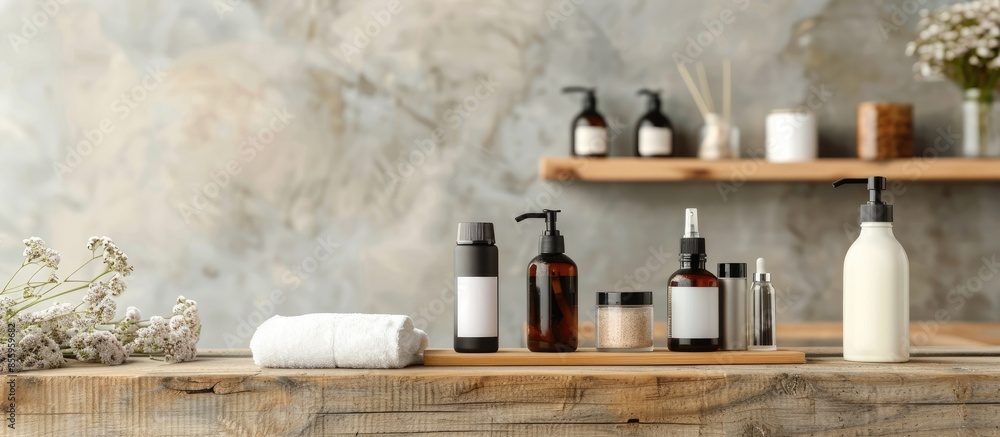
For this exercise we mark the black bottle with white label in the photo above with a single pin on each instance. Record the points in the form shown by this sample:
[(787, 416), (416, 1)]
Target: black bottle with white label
[(653, 132), (477, 267)]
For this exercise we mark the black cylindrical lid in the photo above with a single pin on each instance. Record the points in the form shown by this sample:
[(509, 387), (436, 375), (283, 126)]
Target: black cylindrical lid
[(876, 212), (624, 297), (692, 245), (732, 270), (475, 233)]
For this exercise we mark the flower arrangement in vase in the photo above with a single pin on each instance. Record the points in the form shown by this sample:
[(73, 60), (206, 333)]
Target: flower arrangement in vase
[(960, 42)]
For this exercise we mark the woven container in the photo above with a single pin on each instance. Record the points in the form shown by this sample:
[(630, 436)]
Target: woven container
[(885, 130)]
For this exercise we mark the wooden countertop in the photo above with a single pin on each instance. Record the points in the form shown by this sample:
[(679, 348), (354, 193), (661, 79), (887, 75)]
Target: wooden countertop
[(937, 393)]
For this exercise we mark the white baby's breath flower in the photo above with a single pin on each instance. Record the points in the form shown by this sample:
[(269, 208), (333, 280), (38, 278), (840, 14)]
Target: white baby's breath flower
[(36, 351), (96, 293), (99, 346), (125, 329), (114, 258), (51, 259), (6, 303), (106, 310), (176, 338), (117, 284), (34, 249)]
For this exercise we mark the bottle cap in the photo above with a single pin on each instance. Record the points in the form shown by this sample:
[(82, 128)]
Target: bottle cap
[(761, 275), (475, 233), (624, 297), (732, 270)]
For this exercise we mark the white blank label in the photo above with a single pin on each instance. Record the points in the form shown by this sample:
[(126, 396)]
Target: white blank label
[(694, 312), (590, 140), (654, 141), (476, 311)]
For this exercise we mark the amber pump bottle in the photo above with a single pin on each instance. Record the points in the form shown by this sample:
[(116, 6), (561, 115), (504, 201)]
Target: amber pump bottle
[(693, 296), (552, 293), (653, 132), (589, 130)]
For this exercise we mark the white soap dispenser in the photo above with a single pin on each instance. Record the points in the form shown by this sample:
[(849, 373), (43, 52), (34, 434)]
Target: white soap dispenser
[(876, 285)]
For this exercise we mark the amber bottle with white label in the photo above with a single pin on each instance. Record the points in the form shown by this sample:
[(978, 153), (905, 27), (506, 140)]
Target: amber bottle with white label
[(589, 134), (477, 269), (653, 132), (693, 296)]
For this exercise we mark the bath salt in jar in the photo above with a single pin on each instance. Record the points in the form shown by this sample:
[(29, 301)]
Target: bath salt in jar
[(625, 321)]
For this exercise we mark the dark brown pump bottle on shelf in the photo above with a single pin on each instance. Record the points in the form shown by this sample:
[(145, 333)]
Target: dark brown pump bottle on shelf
[(589, 131), (693, 296), (552, 293)]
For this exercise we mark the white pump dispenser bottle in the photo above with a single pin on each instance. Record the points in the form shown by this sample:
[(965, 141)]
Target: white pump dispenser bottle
[(876, 285)]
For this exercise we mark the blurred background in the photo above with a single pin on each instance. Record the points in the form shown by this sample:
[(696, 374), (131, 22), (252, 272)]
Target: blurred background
[(280, 157)]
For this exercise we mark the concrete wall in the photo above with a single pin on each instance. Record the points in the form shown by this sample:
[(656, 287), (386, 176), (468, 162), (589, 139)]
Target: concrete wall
[(344, 200)]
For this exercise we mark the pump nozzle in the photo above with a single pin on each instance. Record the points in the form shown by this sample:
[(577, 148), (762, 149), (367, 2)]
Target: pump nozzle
[(654, 97), (551, 241), (875, 210), (875, 183), (589, 99)]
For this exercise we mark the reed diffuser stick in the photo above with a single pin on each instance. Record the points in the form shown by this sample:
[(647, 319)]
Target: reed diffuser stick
[(727, 88), (703, 78), (692, 89)]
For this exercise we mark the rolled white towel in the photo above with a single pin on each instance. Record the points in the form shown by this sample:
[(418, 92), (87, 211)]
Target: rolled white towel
[(359, 341)]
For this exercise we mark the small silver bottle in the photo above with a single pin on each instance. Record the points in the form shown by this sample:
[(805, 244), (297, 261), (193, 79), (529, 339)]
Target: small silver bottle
[(733, 307), (761, 336)]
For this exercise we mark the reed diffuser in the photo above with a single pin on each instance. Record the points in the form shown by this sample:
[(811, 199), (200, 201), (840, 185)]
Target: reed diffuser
[(718, 138)]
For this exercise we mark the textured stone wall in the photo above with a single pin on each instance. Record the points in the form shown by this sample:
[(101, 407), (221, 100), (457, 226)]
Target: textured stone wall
[(365, 151)]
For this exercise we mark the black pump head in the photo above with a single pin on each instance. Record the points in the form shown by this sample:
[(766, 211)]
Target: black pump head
[(875, 210), (589, 99), (551, 241), (654, 97)]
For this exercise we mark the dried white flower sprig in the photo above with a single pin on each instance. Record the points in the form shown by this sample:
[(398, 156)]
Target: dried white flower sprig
[(960, 42), (87, 331)]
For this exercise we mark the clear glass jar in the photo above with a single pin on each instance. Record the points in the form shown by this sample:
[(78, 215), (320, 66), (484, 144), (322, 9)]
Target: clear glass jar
[(625, 321)]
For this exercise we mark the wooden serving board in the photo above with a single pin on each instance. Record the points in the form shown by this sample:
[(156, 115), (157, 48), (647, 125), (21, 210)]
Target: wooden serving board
[(590, 357)]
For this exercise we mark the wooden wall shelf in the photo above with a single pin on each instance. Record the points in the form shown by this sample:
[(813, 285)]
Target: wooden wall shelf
[(822, 170)]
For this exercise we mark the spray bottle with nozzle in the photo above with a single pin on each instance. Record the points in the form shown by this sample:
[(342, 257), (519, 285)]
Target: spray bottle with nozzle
[(693, 295)]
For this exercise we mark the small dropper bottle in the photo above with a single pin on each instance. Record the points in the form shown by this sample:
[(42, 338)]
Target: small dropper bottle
[(761, 312)]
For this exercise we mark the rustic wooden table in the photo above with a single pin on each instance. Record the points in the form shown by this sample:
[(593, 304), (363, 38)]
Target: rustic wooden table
[(937, 393)]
